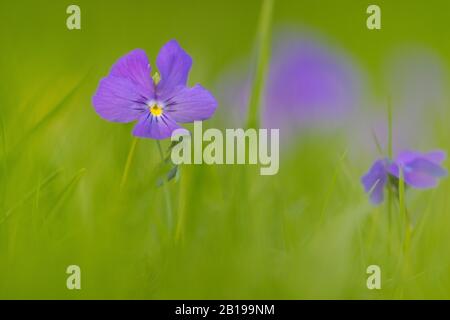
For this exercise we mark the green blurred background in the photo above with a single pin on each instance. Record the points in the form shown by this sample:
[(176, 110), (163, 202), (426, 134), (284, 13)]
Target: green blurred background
[(308, 232)]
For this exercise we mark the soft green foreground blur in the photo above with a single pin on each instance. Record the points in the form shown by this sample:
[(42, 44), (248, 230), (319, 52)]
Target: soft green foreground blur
[(308, 232)]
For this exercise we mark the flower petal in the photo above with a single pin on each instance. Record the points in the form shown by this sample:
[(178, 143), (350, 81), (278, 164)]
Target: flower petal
[(174, 65), (375, 180), (377, 194), (436, 156), (153, 127), (427, 167), (420, 170), (135, 67), (420, 180), (413, 177), (119, 99), (407, 156), (191, 104), (422, 173)]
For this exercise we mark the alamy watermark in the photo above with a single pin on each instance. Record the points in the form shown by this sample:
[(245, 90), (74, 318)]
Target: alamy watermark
[(73, 21), (373, 22), (73, 281), (374, 278), (236, 146)]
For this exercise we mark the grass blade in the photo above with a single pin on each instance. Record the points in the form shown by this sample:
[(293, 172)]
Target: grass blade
[(377, 143), (262, 62), (128, 162), (390, 148), (390, 154), (50, 115), (3, 139), (402, 207), (65, 192), (401, 193), (332, 185), (29, 195)]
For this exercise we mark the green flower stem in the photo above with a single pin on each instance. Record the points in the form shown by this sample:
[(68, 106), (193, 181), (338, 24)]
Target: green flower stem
[(167, 199), (405, 265), (403, 211), (182, 204), (390, 154)]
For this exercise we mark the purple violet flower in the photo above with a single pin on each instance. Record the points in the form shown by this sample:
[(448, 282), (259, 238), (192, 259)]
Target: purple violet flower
[(158, 103), (421, 171)]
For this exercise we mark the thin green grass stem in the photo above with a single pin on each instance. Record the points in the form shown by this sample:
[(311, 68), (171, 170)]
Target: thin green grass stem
[(128, 163), (262, 62)]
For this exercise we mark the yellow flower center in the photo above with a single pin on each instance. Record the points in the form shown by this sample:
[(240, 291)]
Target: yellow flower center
[(156, 110)]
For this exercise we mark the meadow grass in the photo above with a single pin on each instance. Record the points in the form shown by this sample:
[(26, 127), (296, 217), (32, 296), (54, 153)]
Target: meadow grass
[(78, 190)]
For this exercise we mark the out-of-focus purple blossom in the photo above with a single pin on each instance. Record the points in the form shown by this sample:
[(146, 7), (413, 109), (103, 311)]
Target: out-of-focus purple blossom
[(158, 103), (309, 85), (420, 170)]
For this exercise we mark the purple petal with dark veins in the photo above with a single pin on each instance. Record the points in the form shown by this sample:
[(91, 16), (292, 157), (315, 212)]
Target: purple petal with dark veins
[(191, 104), (173, 64), (154, 127), (135, 67), (119, 99)]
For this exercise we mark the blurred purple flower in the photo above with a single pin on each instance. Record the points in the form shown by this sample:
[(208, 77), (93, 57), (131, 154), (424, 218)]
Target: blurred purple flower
[(308, 85), (421, 171), (129, 93)]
